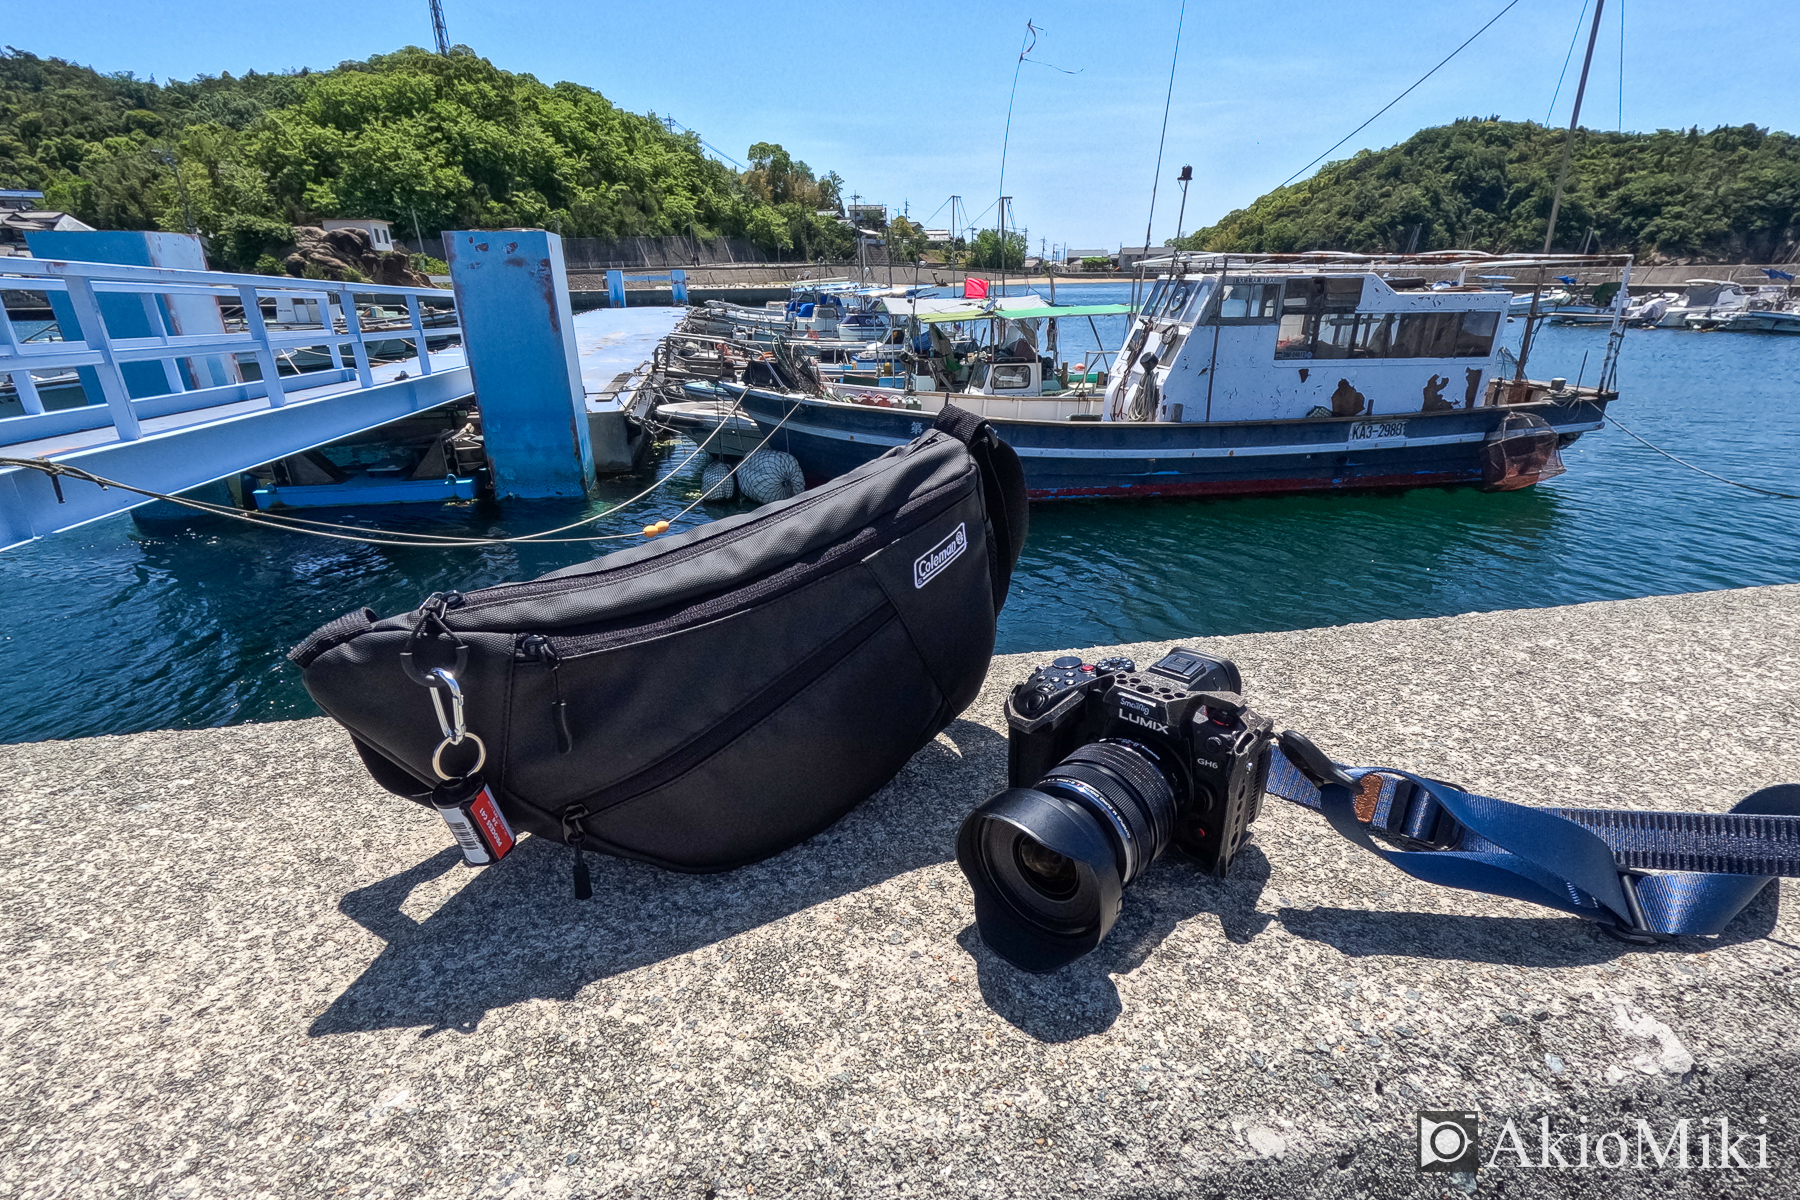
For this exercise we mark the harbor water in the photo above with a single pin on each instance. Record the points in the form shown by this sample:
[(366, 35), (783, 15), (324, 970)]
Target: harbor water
[(127, 625)]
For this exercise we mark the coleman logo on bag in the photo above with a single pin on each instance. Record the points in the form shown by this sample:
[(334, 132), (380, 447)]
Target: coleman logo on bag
[(929, 564)]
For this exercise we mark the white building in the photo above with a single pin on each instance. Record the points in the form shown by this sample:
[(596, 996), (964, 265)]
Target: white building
[(380, 233)]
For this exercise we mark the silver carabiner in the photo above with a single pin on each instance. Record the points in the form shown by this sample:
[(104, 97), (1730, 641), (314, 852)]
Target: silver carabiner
[(453, 726)]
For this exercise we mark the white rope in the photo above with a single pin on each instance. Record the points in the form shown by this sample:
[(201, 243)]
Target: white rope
[(397, 537)]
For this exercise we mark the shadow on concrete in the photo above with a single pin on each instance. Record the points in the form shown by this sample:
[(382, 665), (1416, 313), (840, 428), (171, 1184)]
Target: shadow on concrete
[(1081, 999), (514, 932), (1547, 941)]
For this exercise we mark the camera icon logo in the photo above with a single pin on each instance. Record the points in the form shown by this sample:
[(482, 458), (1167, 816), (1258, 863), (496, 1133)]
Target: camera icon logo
[(1449, 1141)]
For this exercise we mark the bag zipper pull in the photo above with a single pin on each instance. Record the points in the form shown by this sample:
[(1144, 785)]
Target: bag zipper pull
[(537, 646), (576, 837)]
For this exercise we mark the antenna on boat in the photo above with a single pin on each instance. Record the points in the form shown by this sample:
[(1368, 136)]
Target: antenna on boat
[(1562, 178), (437, 27), (1167, 97), (1025, 44), (1186, 177)]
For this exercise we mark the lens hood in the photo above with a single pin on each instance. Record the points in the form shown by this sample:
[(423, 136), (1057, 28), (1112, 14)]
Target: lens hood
[(1031, 933)]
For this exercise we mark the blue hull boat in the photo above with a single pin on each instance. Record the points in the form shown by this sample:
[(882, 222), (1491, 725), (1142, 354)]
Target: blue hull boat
[(1502, 447), (1244, 375)]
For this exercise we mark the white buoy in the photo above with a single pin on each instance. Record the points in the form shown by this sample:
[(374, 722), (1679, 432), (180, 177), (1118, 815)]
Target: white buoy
[(770, 475), (717, 482)]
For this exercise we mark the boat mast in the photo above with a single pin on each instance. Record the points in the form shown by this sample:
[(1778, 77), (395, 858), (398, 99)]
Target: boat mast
[(1562, 177), (1000, 225), (1156, 177)]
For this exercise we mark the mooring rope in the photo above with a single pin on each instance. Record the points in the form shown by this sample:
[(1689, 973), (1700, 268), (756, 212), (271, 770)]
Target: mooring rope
[(1749, 487), (393, 537)]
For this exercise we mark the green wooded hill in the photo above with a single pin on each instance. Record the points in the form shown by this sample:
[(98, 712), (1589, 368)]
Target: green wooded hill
[(450, 141), (1729, 195)]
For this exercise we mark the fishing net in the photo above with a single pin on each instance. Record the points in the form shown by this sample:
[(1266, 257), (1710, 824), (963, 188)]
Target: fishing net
[(1522, 452)]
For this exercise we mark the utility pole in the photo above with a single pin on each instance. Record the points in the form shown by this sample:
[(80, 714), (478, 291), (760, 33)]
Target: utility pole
[(437, 27), (950, 247)]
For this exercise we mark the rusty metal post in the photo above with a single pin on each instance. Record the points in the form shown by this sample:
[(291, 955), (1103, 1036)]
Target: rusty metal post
[(512, 296)]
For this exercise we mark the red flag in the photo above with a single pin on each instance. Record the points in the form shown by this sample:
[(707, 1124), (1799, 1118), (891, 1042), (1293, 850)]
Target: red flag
[(975, 289)]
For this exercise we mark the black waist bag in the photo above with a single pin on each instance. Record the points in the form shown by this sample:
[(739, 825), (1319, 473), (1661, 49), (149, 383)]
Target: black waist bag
[(712, 698)]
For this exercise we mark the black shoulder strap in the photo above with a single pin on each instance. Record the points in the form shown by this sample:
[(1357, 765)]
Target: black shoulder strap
[(1002, 483)]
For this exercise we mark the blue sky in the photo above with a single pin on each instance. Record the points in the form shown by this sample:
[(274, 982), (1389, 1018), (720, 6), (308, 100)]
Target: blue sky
[(908, 101)]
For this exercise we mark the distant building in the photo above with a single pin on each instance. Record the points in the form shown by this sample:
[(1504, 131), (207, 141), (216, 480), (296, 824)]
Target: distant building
[(1076, 256), (18, 217), (867, 214), (381, 237), (1129, 256), (937, 237)]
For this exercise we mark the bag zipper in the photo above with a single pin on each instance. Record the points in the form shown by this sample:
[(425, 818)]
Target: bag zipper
[(867, 541), (508, 592), (684, 758), (535, 647)]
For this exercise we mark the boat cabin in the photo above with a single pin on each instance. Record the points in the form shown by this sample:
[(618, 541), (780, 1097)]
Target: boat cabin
[(1291, 345)]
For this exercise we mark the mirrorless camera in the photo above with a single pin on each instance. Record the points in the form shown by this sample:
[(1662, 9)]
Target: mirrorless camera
[(1108, 765)]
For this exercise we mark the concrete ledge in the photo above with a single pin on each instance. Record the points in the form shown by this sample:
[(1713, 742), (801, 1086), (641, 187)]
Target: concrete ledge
[(236, 968)]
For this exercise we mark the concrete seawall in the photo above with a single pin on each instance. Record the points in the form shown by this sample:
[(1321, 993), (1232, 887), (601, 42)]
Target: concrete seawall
[(238, 968)]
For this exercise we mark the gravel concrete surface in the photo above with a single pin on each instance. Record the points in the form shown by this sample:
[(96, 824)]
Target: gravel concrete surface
[(234, 967)]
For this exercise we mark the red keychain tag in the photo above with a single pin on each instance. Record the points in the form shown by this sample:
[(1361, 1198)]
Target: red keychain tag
[(469, 808)]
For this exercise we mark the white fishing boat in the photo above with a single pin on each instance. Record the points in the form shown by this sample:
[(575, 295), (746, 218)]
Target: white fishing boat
[(827, 309), (1254, 375), (1703, 298), (1785, 319)]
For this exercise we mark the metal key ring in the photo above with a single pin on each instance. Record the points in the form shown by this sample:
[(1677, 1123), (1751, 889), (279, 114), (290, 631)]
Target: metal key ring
[(437, 757)]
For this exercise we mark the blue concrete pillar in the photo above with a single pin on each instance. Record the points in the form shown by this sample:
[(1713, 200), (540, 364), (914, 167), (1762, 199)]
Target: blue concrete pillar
[(128, 316), (615, 288), (512, 299), (678, 286)]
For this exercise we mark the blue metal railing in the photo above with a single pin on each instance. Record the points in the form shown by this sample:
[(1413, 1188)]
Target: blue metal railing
[(615, 285), (187, 322)]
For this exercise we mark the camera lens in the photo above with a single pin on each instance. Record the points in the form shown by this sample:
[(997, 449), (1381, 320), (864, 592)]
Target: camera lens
[(1124, 784), (1048, 863), (1050, 874)]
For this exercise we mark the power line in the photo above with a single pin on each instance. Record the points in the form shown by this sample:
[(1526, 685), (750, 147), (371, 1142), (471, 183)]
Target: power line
[(1397, 99), (1580, 19), (671, 124)]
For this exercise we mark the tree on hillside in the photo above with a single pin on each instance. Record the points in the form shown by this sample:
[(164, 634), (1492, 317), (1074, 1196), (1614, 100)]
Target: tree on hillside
[(1733, 193), (424, 140), (804, 210)]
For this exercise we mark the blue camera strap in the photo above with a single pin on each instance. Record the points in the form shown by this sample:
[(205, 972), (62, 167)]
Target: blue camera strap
[(1588, 862)]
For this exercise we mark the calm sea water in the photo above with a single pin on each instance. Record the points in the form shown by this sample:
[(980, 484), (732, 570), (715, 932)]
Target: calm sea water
[(127, 625)]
